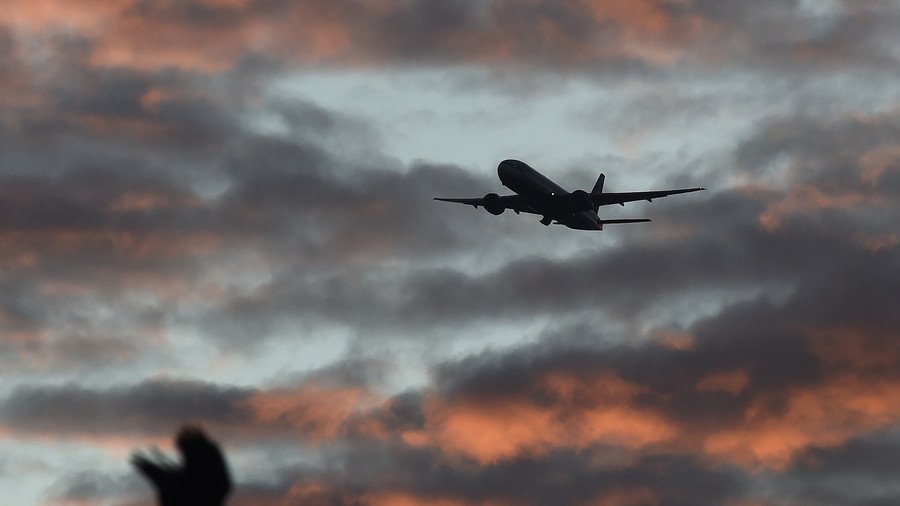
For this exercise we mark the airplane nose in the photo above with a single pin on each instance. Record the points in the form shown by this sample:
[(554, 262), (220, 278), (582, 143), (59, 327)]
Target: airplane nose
[(506, 168)]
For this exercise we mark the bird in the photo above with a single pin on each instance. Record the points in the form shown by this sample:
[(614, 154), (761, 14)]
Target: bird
[(202, 479)]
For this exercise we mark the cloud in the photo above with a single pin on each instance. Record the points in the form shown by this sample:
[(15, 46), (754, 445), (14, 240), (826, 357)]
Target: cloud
[(618, 423), (573, 414), (304, 413), (85, 487), (106, 202), (859, 470), (741, 242), (765, 423), (625, 416), (152, 189), (153, 407), (212, 36), (572, 478)]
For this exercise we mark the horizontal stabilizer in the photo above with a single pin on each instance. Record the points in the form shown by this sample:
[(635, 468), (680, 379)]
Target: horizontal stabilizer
[(614, 222)]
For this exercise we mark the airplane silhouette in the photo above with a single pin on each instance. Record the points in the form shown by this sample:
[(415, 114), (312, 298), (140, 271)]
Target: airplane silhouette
[(536, 194), (202, 480)]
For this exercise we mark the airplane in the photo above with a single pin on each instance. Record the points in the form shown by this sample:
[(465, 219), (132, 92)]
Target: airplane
[(536, 194)]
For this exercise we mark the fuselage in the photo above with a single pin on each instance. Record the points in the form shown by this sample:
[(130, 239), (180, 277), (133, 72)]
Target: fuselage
[(538, 190)]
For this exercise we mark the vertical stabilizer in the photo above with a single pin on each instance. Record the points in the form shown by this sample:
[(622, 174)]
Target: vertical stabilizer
[(598, 188)]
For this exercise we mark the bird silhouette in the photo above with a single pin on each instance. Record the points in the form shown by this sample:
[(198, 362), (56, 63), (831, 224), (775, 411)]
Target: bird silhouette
[(202, 479)]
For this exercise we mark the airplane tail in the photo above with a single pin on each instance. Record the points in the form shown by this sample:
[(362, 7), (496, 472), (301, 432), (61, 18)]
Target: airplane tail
[(598, 188)]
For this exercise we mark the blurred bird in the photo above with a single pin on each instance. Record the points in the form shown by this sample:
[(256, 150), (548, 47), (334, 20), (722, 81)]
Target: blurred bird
[(201, 480)]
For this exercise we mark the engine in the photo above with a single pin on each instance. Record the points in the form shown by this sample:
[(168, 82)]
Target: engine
[(493, 204), (581, 201)]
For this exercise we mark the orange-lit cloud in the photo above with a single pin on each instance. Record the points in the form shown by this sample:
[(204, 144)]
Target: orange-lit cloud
[(628, 497), (314, 412), (87, 16), (407, 499), (650, 32), (826, 415), (878, 162), (165, 34), (676, 340), (858, 347), (582, 412), (496, 431), (122, 243), (807, 198)]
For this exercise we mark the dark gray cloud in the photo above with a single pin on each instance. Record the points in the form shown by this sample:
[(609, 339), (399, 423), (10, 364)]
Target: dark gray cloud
[(152, 407), (828, 34), (571, 478), (825, 149), (325, 405), (861, 471), (74, 352), (876, 457)]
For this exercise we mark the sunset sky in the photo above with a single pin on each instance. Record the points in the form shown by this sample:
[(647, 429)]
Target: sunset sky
[(220, 212)]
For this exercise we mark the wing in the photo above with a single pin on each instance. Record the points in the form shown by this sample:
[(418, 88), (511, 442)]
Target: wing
[(605, 199), (514, 202)]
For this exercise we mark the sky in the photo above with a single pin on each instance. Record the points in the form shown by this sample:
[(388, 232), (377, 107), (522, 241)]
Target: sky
[(220, 212)]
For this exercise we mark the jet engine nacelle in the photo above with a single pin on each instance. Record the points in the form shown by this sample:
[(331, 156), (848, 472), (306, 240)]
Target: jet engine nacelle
[(581, 201), (493, 204)]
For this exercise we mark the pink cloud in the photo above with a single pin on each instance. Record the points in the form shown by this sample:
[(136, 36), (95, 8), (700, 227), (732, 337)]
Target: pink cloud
[(825, 415), (158, 35)]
